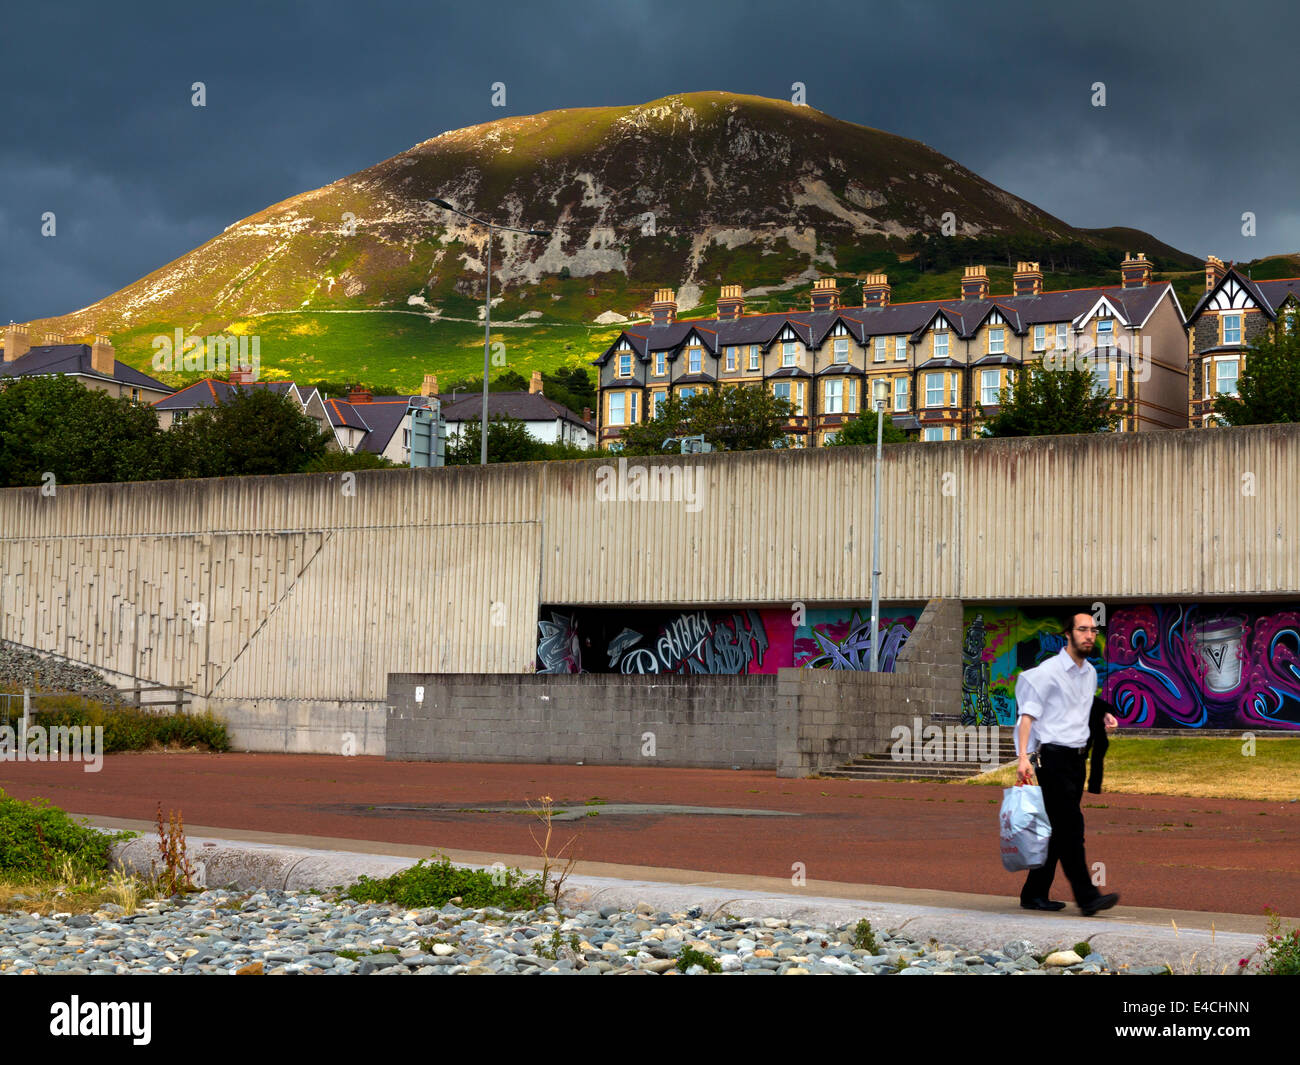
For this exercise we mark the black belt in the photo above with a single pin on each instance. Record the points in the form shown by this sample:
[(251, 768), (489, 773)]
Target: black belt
[(1063, 747)]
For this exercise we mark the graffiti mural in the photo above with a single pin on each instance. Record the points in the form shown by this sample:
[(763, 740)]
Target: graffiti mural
[(1161, 666), (574, 640), (558, 650)]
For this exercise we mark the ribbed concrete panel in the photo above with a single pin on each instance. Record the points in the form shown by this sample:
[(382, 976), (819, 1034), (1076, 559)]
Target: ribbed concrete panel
[(318, 586)]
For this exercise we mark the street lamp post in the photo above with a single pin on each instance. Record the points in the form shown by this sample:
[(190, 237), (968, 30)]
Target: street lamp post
[(880, 392), (487, 315)]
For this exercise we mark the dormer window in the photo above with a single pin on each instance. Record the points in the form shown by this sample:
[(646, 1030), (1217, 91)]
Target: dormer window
[(1232, 329), (625, 366), (788, 353), (694, 354), (842, 350), (1105, 335), (940, 342), (659, 364), (997, 340)]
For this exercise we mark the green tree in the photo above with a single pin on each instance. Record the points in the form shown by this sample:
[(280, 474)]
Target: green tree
[(508, 441), (1051, 402), (745, 418), (1268, 389), (256, 431), (80, 435), (862, 430), (340, 461)]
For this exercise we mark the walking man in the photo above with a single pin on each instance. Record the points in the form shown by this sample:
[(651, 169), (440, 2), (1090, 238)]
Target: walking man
[(1054, 701)]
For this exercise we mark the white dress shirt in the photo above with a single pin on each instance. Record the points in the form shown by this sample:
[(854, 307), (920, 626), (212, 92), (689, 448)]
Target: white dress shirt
[(1058, 695)]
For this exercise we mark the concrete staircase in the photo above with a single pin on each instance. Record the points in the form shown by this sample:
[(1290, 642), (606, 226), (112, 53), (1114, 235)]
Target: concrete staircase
[(884, 767)]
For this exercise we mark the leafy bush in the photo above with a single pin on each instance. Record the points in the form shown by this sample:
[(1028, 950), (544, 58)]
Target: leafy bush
[(129, 729), (36, 839), (435, 883), (1281, 949)]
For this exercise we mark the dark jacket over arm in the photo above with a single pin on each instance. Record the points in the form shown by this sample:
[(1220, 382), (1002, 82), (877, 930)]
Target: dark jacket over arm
[(1098, 741)]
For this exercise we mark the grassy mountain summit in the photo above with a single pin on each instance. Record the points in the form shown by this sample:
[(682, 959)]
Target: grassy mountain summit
[(363, 279)]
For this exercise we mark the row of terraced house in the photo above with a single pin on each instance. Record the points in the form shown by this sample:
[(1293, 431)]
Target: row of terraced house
[(945, 362)]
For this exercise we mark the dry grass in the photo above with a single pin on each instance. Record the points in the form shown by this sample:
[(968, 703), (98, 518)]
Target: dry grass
[(72, 893), (1202, 767)]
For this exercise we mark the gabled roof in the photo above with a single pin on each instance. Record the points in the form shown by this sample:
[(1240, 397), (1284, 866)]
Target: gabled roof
[(526, 406), (209, 391), (75, 359), (1267, 295)]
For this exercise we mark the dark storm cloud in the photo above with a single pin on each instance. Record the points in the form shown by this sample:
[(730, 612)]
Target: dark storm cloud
[(1197, 127)]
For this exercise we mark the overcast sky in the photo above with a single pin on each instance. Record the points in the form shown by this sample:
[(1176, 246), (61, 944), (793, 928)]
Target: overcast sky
[(1198, 125)]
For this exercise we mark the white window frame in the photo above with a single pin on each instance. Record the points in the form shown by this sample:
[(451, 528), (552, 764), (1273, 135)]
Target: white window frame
[(900, 393), (799, 392), (685, 393), (932, 433), (695, 359), (1108, 332), (1040, 338), (997, 340), (985, 386), (900, 349), (941, 334), (789, 357), (625, 365), (656, 400), (1218, 376), (840, 345), (1241, 325), (778, 386), (929, 388), (880, 349), (659, 364), (731, 359), (617, 411), (852, 406), (834, 397), (753, 356), (1062, 341)]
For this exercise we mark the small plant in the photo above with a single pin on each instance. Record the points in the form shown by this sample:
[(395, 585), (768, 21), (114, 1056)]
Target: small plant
[(863, 937), (544, 813), (555, 948), (1082, 949), (438, 882), (1281, 949), (343, 952), (177, 876), (690, 956)]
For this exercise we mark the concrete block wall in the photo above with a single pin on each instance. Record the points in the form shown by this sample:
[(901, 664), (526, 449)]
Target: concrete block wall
[(601, 719)]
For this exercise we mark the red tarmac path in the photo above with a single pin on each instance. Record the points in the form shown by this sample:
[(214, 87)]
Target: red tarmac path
[(1225, 855)]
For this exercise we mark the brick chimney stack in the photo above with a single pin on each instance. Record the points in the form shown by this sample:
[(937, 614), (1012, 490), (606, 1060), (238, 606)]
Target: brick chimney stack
[(51, 340), (359, 394), (875, 290), (1135, 271), (535, 384), (430, 386), (975, 283), (586, 414), (17, 343), (1214, 271), (102, 357), (731, 304), (1027, 280), (664, 309), (825, 295)]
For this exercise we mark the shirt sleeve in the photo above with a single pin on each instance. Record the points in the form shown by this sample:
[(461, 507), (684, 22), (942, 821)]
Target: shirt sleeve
[(1028, 700)]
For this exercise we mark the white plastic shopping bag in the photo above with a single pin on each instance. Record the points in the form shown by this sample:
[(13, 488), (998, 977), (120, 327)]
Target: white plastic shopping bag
[(1026, 830)]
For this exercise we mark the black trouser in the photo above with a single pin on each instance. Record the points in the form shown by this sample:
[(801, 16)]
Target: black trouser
[(1060, 775)]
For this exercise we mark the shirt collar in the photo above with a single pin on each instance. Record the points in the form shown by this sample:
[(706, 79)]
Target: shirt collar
[(1068, 662)]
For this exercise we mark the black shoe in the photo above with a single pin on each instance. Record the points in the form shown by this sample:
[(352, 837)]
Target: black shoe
[(1101, 902), (1041, 904)]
